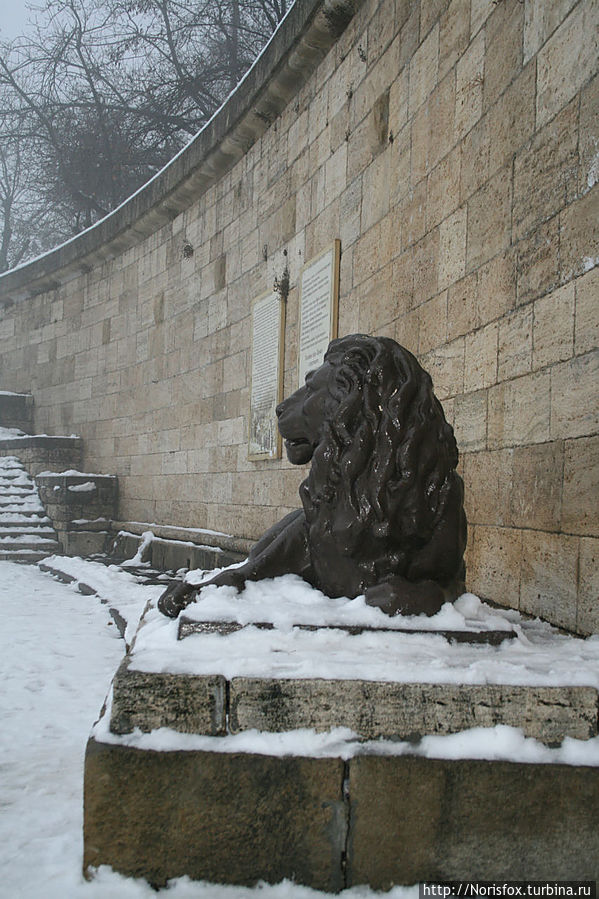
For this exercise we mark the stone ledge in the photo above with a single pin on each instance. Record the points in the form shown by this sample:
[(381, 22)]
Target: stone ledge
[(410, 711), (372, 709)]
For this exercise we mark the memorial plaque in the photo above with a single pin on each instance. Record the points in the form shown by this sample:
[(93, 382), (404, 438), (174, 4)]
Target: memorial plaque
[(268, 323), (319, 303)]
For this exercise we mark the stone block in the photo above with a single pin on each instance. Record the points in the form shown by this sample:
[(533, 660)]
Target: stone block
[(579, 235), (512, 119), (494, 562), (433, 323), (519, 411), (588, 132), (16, 410), (515, 344), (538, 262), (588, 587), (540, 21), (424, 69), (443, 196), (469, 88), (426, 262), (415, 820), (489, 219), (462, 311), (446, 367), (503, 60), (452, 248), (567, 61), (470, 421), (536, 495), (546, 172), (488, 482), (409, 711), (580, 510), (549, 577), (454, 34), (574, 411), (497, 287), (480, 369), (149, 700), (586, 331), (223, 818)]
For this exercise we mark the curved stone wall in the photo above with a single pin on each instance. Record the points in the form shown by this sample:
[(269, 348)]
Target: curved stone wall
[(453, 148)]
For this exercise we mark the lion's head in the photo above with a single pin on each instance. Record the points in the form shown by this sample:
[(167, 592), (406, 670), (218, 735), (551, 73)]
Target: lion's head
[(382, 497)]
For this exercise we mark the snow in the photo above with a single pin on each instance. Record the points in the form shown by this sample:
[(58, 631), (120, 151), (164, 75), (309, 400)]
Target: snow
[(499, 743), (72, 472), (58, 653), (87, 487), (538, 655), (11, 433), (17, 434)]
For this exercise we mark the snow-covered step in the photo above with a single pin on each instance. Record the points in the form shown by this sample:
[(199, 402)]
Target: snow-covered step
[(26, 532), (24, 516), (27, 556)]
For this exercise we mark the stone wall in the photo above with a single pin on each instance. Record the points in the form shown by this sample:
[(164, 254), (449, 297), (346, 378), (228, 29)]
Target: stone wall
[(453, 147)]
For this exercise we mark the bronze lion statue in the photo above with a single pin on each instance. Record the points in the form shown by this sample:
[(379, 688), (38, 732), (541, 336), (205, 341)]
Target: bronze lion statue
[(382, 503)]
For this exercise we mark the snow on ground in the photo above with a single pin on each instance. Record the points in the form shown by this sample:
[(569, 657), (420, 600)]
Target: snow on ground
[(58, 653)]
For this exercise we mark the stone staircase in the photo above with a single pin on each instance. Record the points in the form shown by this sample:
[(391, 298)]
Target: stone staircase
[(26, 532)]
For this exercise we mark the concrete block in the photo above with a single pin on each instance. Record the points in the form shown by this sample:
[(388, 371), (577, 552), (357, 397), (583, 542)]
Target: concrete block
[(415, 820), (189, 704), (409, 711), (219, 817)]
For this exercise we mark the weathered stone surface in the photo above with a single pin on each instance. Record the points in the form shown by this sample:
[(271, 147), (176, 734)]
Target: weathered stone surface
[(186, 703), (407, 711), (219, 817), (16, 411), (45, 453), (415, 819)]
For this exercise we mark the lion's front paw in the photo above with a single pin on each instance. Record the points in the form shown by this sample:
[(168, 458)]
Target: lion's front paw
[(175, 598), (398, 596)]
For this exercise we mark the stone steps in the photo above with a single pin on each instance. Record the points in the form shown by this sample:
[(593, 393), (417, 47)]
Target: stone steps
[(26, 532)]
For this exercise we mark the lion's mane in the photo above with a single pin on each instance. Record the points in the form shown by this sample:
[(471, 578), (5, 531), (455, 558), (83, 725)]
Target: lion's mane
[(383, 476)]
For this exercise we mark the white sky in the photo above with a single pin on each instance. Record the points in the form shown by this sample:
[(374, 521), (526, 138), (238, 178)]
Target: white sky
[(13, 18)]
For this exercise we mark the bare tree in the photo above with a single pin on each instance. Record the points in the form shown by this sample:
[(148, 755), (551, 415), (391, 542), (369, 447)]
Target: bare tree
[(100, 94)]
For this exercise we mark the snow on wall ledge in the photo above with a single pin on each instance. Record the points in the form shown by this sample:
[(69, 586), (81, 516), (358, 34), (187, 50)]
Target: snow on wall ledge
[(450, 147)]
